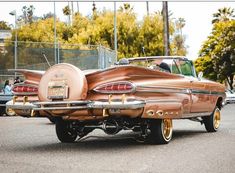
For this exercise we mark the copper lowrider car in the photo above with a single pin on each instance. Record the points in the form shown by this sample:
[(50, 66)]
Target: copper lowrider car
[(140, 94)]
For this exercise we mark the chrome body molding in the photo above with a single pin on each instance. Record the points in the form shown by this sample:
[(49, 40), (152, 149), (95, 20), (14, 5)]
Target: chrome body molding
[(141, 88), (199, 114), (161, 101)]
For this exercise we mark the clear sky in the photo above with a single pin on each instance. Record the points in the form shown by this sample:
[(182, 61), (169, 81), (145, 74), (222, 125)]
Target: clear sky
[(198, 15)]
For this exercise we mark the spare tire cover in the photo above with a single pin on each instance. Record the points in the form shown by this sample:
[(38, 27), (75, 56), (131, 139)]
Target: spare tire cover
[(68, 75)]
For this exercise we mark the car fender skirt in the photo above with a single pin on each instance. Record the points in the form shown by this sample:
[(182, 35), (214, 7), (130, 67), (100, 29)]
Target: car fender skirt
[(63, 82)]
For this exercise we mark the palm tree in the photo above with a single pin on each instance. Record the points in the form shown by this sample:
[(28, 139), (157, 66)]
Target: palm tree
[(67, 12), (223, 14), (180, 23)]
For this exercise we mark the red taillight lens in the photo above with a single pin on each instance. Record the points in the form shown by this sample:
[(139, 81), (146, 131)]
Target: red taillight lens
[(117, 87), (25, 90)]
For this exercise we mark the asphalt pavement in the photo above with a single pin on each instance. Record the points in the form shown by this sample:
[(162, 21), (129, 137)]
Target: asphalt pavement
[(30, 145)]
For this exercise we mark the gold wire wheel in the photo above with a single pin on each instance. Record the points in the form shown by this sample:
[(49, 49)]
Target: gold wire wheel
[(10, 112), (167, 128), (216, 118)]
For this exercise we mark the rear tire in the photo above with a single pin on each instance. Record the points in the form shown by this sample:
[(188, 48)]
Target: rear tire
[(2, 110), (160, 131), (212, 122), (65, 132), (52, 119)]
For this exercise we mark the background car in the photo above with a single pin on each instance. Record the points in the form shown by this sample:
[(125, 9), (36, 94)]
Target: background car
[(3, 100), (230, 97)]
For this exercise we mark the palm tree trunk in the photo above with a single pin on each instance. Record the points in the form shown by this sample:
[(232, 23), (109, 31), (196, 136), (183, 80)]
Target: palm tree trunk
[(166, 28)]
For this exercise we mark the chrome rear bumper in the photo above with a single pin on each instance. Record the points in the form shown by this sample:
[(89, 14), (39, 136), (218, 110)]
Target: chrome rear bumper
[(75, 105)]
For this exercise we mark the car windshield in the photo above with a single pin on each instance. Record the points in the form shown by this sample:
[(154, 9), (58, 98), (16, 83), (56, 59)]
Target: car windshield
[(176, 66)]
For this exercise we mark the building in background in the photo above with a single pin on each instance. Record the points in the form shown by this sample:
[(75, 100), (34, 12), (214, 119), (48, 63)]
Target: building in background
[(4, 34)]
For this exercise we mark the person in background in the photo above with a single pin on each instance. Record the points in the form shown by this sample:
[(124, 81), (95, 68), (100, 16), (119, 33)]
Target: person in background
[(17, 80), (7, 88)]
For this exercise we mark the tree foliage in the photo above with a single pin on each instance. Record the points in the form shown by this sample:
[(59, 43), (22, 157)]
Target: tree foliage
[(218, 53), (4, 26), (223, 14), (27, 16), (135, 38)]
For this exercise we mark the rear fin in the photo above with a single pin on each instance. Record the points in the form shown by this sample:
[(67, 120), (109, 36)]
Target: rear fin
[(31, 76)]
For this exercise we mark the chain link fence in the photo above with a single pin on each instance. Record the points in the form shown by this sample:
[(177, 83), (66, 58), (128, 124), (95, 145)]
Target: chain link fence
[(34, 56)]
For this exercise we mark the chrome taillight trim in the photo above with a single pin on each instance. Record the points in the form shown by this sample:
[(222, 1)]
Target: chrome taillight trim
[(96, 89)]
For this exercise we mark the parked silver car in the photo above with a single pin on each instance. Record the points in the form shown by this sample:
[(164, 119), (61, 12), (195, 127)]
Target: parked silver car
[(230, 97)]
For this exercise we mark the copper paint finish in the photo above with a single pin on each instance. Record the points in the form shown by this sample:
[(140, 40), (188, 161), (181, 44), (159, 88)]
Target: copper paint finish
[(68, 74), (169, 96)]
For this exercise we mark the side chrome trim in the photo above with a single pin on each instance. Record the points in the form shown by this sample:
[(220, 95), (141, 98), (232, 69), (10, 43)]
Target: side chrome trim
[(218, 93), (160, 101), (196, 114), (141, 88)]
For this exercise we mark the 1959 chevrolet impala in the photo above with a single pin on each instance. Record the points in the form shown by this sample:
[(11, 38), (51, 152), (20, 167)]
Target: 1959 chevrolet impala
[(140, 94)]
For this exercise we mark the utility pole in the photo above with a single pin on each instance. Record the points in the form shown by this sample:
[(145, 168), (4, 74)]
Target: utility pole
[(55, 39), (115, 29), (147, 6), (166, 28), (77, 7), (13, 13)]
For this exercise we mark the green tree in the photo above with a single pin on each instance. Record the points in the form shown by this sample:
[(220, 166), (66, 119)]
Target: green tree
[(132, 35), (204, 64), (4, 26), (151, 35), (27, 16), (220, 47), (47, 15), (67, 12), (223, 14), (178, 46)]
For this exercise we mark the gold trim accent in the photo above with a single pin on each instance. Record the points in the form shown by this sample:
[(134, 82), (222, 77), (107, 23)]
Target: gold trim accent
[(14, 99), (105, 114), (110, 98), (167, 128), (150, 113), (123, 98), (159, 113), (216, 118), (25, 100), (32, 113)]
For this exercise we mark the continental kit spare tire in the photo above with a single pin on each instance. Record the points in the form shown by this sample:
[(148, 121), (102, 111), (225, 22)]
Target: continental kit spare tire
[(63, 82)]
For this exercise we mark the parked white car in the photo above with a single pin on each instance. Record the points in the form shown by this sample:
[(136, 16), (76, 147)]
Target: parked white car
[(230, 97)]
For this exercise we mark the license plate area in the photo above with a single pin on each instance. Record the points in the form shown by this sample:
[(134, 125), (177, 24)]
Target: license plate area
[(57, 90)]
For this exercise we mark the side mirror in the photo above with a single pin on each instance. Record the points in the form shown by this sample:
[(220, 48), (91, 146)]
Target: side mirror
[(200, 75)]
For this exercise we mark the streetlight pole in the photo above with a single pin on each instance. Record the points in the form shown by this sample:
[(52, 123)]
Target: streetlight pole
[(13, 13)]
